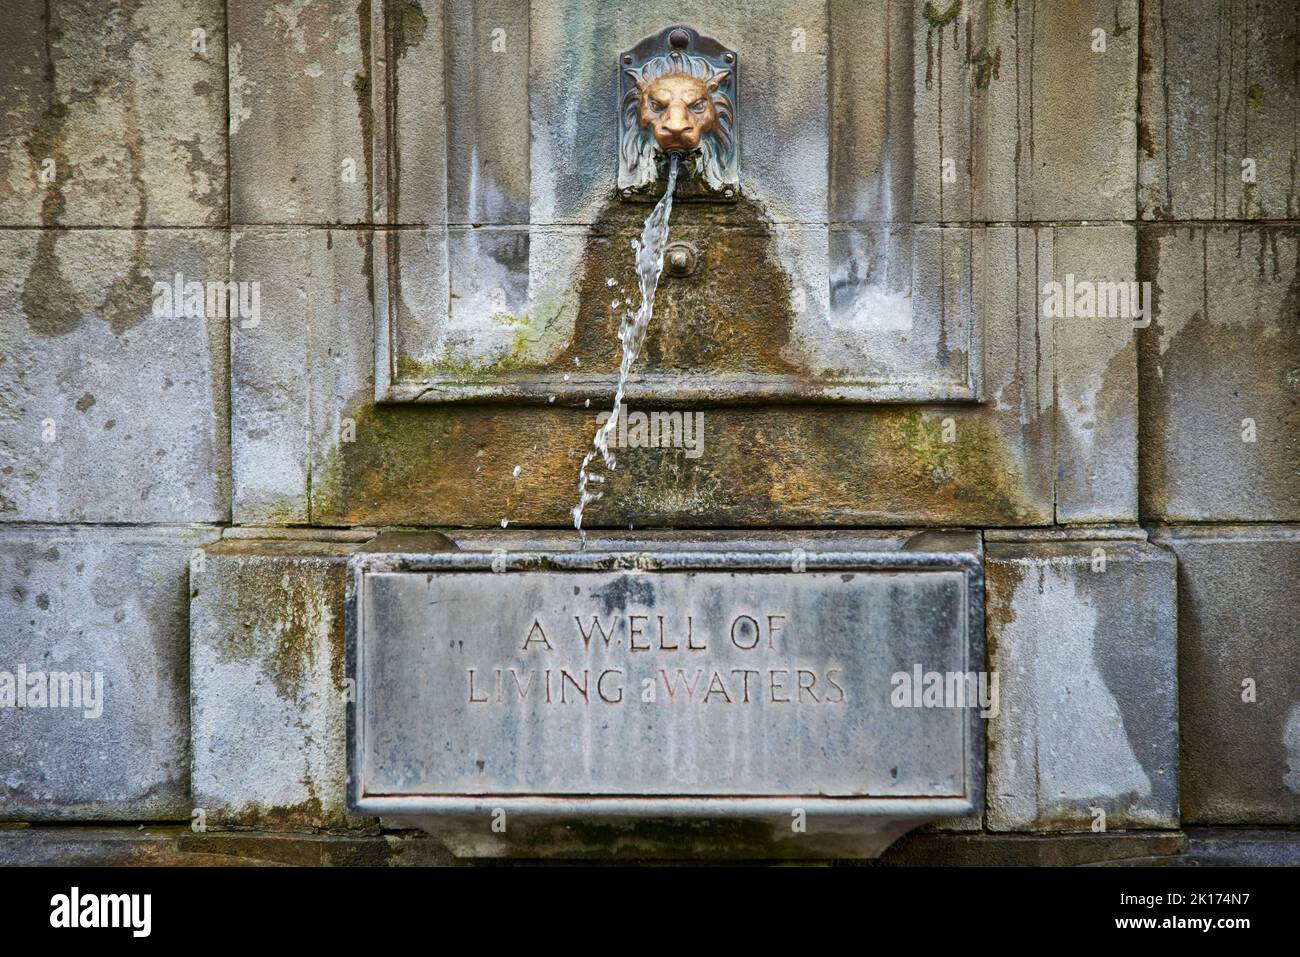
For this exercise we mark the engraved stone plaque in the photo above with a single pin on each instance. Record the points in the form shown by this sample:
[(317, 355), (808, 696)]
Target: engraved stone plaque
[(642, 685)]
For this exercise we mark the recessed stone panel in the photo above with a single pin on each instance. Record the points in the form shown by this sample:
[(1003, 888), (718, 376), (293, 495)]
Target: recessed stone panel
[(533, 254)]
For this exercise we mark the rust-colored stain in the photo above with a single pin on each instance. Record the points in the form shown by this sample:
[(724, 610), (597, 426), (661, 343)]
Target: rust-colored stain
[(278, 608), (780, 466), (733, 314)]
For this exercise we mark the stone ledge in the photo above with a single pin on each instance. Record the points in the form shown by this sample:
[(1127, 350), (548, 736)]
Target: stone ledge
[(178, 846), (1009, 850)]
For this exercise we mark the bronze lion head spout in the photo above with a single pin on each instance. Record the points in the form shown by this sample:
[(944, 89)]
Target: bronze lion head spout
[(679, 102), (681, 109)]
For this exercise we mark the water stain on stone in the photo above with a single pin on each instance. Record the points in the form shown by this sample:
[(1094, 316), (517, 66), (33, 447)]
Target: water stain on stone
[(361, 87), (128, 299), (206, 176), (407, 25), (778, 465), (48, 298), (732, 314), (941, 18), (281, 619), (85, 402), (49, 301), (624, 592)]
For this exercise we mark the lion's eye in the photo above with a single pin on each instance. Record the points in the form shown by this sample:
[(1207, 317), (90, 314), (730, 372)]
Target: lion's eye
[(698, 106), (657, 106)]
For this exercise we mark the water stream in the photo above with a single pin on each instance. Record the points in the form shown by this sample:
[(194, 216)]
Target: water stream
[(631, 332)]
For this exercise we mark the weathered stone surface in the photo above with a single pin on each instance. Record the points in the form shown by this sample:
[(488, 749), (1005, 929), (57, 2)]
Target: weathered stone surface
[(763, 657), (109, 412), (1219, 122), (1057, 115), (513, 306), (109, 604), (943, 140), (177, 846), (407, 83), (122, 109), (963, 464), (904, 307), (483, 315), (488, 52), (1096, 372), (413, 465), (644, 746), (299, 112), (1220, 369), (1086, 660), (267, 688), (870, 112), (503, 146), (1236, 847), (173, 846), (1238, 606), (299, 373), (1018, 118)]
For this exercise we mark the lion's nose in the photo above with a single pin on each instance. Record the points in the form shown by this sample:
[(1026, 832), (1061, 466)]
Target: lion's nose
[(677, 121)]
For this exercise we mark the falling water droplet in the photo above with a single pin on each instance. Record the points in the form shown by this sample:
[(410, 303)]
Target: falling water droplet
[(631, 333)]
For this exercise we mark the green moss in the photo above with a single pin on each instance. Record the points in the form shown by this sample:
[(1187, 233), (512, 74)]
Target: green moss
[(279, 610), (408, 25), (526, 331), (942, 18)]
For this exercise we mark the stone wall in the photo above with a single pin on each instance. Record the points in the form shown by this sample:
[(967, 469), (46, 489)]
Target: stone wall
[(179, 492)]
